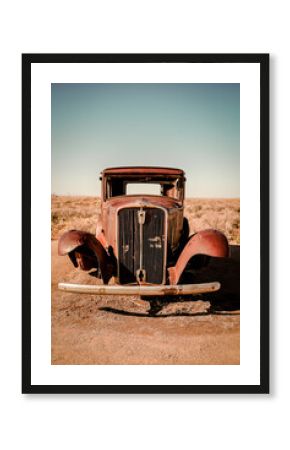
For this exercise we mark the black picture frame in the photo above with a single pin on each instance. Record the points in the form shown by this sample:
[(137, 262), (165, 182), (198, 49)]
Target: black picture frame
[(263, 61)]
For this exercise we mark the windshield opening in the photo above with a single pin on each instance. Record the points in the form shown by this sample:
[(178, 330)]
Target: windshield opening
[(118, 186), (143, 188)]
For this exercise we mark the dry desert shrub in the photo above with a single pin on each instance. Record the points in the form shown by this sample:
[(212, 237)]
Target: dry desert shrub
[(76, 212), (221, 214), (72, 212)]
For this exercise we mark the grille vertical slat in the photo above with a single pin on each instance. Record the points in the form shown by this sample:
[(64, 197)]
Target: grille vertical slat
[(129, 245), (126, 246), (153, 245)]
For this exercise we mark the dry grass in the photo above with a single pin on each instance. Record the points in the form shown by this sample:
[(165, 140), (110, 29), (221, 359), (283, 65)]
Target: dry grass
[(221, 214), (72, 212)]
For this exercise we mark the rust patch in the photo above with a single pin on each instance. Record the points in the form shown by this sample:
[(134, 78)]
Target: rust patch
[(207, 242), (86, 252)]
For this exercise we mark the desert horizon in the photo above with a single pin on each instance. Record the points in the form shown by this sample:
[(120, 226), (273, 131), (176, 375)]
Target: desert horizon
[(82, 212)]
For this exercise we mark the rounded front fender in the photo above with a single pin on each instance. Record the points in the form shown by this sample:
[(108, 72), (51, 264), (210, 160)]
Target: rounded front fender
[(70, 240), (87, 252), (206, 242)]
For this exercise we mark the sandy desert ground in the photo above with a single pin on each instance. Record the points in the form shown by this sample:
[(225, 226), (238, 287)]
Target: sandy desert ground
[(108, 330)]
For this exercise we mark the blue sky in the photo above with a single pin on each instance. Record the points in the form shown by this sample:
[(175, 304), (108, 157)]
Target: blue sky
[(195, 127)]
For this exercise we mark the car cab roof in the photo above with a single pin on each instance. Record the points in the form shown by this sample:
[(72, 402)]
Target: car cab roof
[(143, 170)]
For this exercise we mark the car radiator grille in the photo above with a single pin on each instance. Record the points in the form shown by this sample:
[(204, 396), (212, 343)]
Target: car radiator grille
[(141, 245)]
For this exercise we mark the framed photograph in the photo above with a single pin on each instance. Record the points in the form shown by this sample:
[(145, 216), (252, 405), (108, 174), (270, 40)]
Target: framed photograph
[(145, 251)]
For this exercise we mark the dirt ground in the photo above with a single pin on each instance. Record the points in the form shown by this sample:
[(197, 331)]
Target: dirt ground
[(108, 330)]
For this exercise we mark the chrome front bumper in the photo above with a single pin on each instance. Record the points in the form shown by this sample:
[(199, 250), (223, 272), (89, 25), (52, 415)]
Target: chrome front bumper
[(158, 290)]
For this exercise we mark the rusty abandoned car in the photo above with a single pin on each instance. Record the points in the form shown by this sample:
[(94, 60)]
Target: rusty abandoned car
[(142, 244)]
